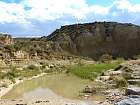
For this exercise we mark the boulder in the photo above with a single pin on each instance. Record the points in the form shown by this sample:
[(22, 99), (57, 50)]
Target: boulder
[(133, 91)]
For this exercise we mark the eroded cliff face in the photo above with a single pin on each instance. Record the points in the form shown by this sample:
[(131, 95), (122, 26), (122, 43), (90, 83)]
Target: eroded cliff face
[(95, 39)]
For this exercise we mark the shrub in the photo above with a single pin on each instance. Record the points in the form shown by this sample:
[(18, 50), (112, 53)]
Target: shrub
[(105, 58), (32, 67), (11, 76), (120, 82)]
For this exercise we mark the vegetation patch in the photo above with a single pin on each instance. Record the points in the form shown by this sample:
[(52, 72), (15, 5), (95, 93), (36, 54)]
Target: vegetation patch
[(90, 71), (120, 82)]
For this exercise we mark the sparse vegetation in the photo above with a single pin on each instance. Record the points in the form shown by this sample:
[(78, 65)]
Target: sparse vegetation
[(30, 71), (11, 74), (14, 73), (120, 81)]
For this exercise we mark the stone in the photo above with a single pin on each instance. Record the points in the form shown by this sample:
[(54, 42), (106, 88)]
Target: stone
[(104, 78), (133, 91), (131, 100), (133, 81), (88, 89), (115, 72)]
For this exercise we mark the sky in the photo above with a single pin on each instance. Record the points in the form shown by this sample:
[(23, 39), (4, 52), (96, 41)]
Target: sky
[(33, 18)]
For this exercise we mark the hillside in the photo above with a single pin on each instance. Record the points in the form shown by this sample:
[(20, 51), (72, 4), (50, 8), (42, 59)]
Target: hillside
[(95, 39), (90, 40)]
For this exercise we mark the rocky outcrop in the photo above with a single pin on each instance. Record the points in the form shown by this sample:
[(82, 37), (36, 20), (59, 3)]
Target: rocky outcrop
[(133, 91), (5, 39), (131, 100), (128, 94), (21, 55), (95, 39), (131, 71)]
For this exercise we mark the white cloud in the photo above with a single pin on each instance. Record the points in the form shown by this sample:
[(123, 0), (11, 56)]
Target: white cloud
[(96, 9), (11, 12), (126, 5), (114, 13), (43, 10), (33, 15)]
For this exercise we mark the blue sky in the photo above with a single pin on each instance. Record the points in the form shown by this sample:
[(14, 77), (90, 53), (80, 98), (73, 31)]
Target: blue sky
[(41, 17), (100, 2)]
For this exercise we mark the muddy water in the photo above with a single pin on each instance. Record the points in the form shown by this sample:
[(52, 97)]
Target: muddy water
[(57, 85)]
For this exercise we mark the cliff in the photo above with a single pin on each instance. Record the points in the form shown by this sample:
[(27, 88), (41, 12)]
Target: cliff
[(95, 39)]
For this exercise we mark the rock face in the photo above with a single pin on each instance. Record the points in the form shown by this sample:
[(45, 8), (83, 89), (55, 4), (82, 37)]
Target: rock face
[(95, 39)]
